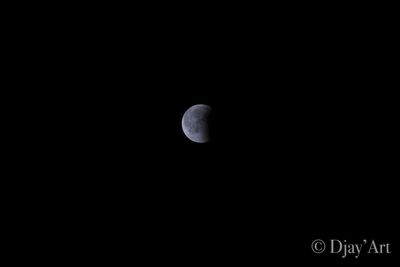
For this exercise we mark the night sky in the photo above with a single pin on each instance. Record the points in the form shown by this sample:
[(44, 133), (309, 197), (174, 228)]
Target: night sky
[(300, 143), (302, 134)]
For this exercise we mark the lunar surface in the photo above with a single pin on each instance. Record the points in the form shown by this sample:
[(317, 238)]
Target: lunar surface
[(195, 123)]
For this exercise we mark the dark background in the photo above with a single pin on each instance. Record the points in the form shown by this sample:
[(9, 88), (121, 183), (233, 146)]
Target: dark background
[(302, 136), (303, 132)]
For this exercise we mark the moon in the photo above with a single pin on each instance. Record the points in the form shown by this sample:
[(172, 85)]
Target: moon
[(195, 123)]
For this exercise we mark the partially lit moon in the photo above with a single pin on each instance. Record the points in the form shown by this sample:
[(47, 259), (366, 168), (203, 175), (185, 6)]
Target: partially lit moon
[(195, 123)]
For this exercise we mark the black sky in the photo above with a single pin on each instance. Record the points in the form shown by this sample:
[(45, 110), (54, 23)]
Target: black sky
[(301, 136), (302, 132)]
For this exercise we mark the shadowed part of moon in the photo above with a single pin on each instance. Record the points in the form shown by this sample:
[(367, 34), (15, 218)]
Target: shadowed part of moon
[(195, 123)]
